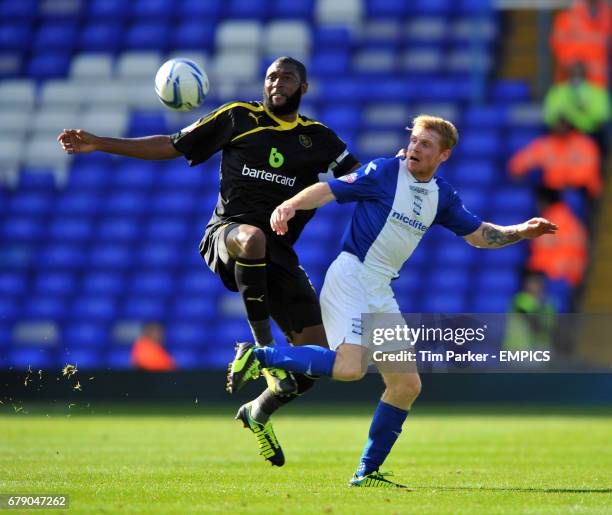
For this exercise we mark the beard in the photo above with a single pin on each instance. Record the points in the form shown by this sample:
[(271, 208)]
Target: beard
[(291, 105)]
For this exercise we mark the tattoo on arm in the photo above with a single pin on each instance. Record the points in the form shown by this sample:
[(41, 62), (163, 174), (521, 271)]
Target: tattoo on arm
[(498, 238)]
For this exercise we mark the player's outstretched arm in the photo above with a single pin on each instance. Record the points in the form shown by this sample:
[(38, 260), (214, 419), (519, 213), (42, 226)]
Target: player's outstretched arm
[(491, 236), (78, 141), (312, 197)]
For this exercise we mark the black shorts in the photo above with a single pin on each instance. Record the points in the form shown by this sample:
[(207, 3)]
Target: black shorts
[(294, 304)]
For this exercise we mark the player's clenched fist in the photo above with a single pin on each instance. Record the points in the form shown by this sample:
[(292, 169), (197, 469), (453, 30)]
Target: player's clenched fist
[(281, 215), (75, 141)]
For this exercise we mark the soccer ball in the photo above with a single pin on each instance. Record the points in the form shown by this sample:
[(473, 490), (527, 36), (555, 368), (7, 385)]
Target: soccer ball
[(181, 84)]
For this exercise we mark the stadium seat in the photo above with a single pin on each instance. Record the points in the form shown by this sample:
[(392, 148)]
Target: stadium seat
[(55, 283), (143, 308), (42, 154), (211, 10), (118, 229), (21, 228), (296, 9), (90, 335), (147, 35), (437, 302), (23, 10), (510, 91), (17, 94), (64, 256), (341, 116), (111, 257), (54, 35), (24, 358), (490, 302), (238, 36), (198, 33), (83, 358), (333, 37), (347, 12), (287, 38), (194, 308), (119, 358), (69, 228), (96, 308), (167, 229), (374, 61), (500, 280), (185, 359), (87, 66), (89, 176), (15, 36), (331, 62), (10, 64), (175, 202), (109, 121), (134, 65), (151, 283), (524, 115), (126, 202), (421, 60), (160, 9), (452, 281), (514, 255), (386, 9), (430, 29), (100, 35), (250, 9), (12, 284), (48, 64), (158, 255), (475, 173), (519, 201), (44, 307), (468, 29), (485, 116), (9, 307), (236, 65), (103, 283), (187, 334)]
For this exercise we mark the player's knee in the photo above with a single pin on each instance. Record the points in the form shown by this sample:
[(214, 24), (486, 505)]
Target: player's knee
[(251, 241), (348, 371), (407, 388)]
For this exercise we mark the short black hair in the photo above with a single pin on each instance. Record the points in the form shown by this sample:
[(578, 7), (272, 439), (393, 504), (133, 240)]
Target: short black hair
[(300, 66)]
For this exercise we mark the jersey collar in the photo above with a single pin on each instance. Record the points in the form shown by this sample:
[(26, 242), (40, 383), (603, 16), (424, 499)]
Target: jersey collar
[(282, 123)]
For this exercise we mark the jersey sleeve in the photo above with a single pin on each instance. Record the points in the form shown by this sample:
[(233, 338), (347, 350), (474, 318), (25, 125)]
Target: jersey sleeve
[(453, 214), (200, 140), (364, 183), (342, 161)]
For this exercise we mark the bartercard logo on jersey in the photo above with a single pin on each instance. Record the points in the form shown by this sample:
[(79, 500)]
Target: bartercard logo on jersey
[(264, 175), (405, 219)]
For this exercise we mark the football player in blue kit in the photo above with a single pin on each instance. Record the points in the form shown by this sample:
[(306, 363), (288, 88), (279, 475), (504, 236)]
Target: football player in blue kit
[(398, 199)]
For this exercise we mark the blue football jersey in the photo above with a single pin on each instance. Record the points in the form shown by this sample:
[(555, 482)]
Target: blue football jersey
[(394, 211)]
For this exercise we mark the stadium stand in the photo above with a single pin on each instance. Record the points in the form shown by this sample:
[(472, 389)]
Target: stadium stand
[(112, 240)]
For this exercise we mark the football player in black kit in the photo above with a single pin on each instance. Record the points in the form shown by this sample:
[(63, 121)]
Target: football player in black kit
[(269, 153)]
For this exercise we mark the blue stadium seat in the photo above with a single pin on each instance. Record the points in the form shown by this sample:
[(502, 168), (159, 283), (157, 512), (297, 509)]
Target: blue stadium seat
[(48, 307), (518, 139), (514, 255), (118, 228), (135, 174), (418, 7), (387, 8), (12, 284), (22, 10), (84, 359), (448, 280), (476, 173), (341, 117), (475, 6), (85, 334), (252, 9), (48, 65), (147, 35), (60, 255), (25, 357), (158, 255), (329, 63), (153, 283), (143, 308), (227, 333), (84, 204), (15, 36), (211, 9), (30, 203), (55, 283), (144, 123), (6, 331), (480, 144), (111, 256), (486, 116), (198, 33), (187, 334), (490, 302), (103, 283), (18, 256), (327, 37), (475, 200), (126, 202), (101, 36), (437, 302), (185, 359), (9, 307), (560, 293), (217, 358), (69, 228), (195, 308), (21, 228), (456, 253), (166, 229), (503, 281), (55, 35), (85, 175), (517, 200), (504, 91), (94, 308), (298, 9), (108, 9), (175, 202), (177, 173), (153, 8), (198, 280), (119, 358)]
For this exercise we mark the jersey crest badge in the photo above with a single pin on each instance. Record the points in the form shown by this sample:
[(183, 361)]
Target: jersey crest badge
[(348, 178), (305, 141)]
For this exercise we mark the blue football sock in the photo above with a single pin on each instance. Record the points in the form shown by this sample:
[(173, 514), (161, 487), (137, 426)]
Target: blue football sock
[(307, 359), (385, 428)]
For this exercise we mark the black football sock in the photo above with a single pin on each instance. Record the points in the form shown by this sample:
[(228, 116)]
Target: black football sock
[(250, 275), (267, 403)]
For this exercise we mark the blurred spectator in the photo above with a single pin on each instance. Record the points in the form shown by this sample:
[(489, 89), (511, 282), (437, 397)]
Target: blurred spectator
[(531, 320), (568, 159), (581, 33), (148, 352), (584, 104), (563, 255)]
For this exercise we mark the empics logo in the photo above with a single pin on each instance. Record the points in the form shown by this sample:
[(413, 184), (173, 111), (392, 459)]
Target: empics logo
[(264, 175), (405, 219)]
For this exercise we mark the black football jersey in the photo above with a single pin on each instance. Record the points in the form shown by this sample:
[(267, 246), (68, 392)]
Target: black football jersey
[(265, 161)]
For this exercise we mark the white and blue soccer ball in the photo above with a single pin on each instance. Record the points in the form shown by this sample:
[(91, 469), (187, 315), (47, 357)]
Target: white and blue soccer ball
[(181, 84)]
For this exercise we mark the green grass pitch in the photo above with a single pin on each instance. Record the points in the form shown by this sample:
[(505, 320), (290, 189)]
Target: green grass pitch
[(125, 459)]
